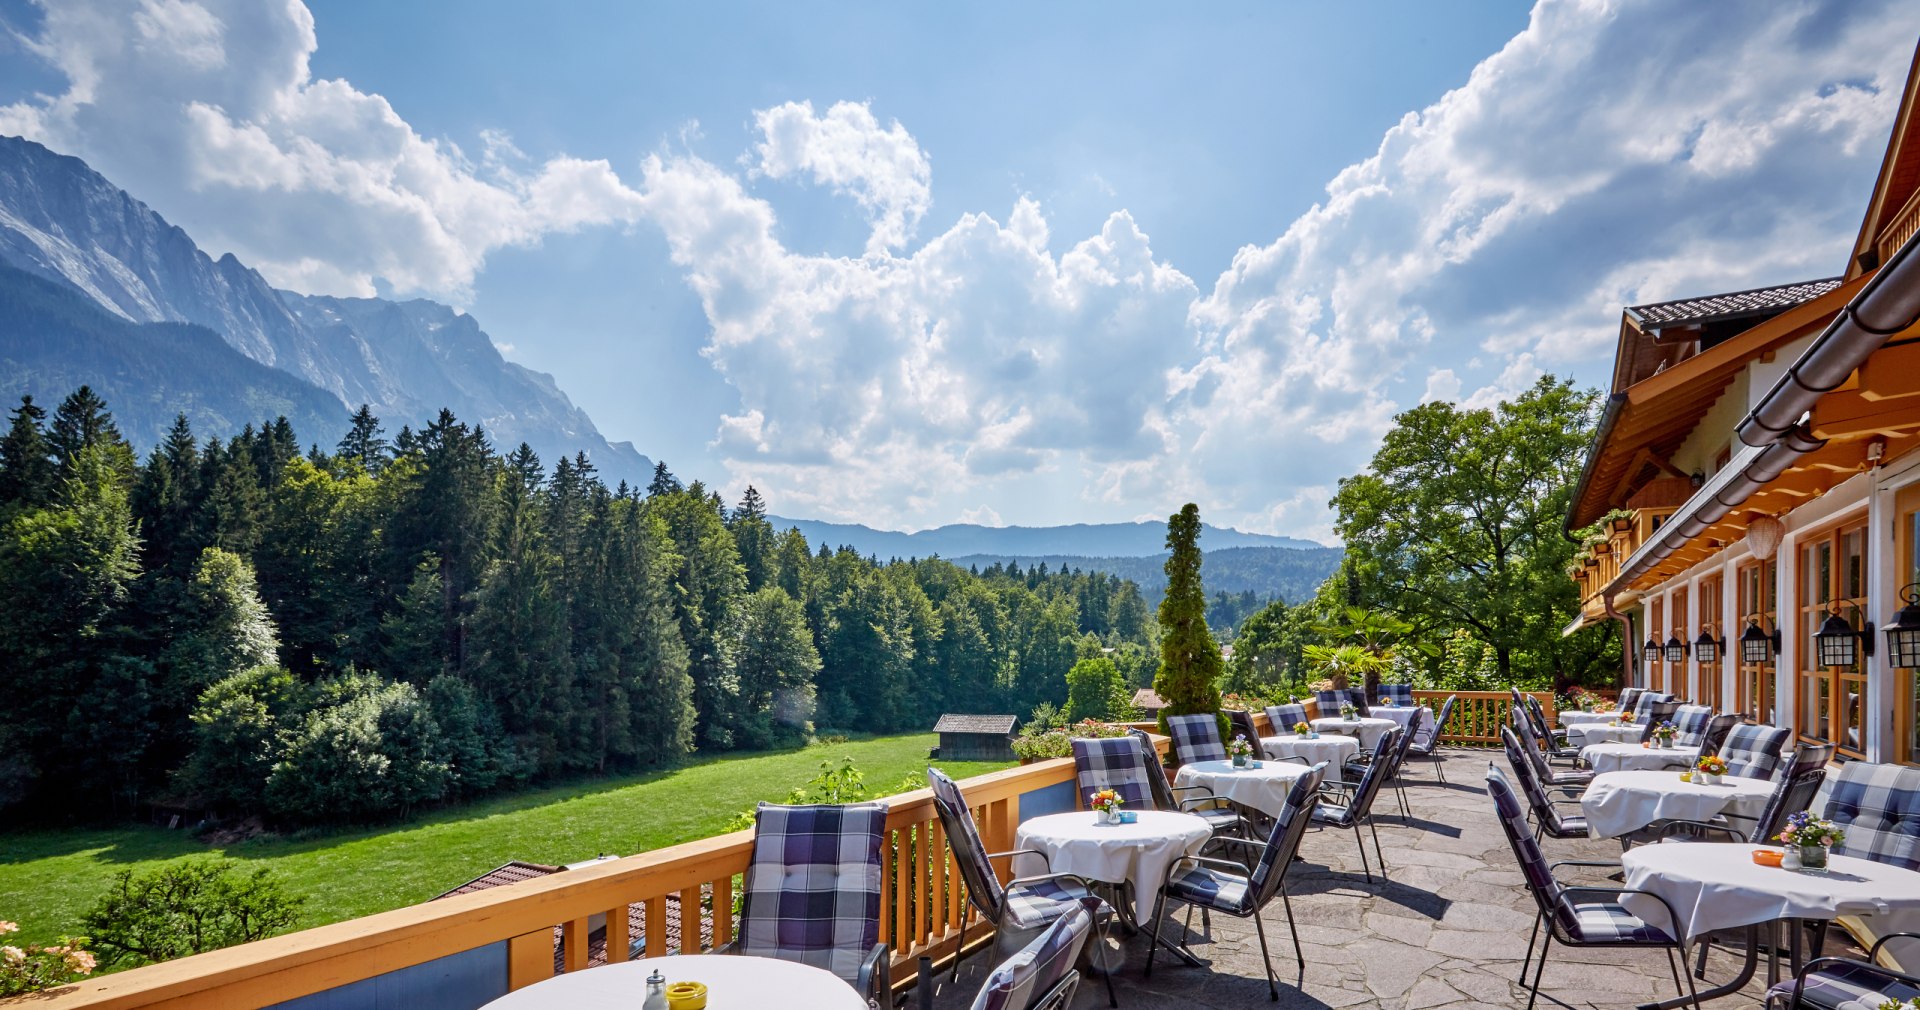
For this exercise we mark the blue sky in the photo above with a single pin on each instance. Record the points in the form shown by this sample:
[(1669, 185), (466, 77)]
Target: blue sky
[(908, 266)]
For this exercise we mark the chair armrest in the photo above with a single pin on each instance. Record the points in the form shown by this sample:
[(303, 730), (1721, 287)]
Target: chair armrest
[(873, 974), (730, 947), (1877, 944), (1239, 869), (1674, 827), (1600, 863), (1293, 757), (1673, 918), (1020, 852), (1038, 877), (1177, 790)]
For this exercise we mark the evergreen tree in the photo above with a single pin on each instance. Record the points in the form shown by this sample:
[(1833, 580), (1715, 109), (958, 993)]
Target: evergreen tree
[(1189, 676), (28, 477), (82, 420), (753, 537), (664, 482), (775, 661), (364, 445), (415, 632)]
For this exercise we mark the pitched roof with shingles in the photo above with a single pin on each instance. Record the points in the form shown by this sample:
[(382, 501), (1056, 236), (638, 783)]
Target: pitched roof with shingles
[(953, 723), (516, 871), (1732, 305), (1145, 698)]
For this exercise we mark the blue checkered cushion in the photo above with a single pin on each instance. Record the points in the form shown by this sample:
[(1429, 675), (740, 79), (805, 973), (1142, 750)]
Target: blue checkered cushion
[(1398, 694), (1753, 750), (1022, 979), (1607, 922), (1042, 901), (1879, 806), (1286, 717), (1643, 706), (1690, 724), (1628, 695), (1205, 886), (1844, 987), (1330, 702), (969, 851), (1196, 737), (812, 891), (1112, 763)]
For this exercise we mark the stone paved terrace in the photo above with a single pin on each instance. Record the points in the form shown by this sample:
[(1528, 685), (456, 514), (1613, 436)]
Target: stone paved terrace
[(1446, 933)]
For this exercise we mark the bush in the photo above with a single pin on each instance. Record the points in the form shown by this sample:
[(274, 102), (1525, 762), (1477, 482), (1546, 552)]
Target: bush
[(1039, 741), (32, 968), (236, 729), (188, 908), (1096, 690), (375, 753)]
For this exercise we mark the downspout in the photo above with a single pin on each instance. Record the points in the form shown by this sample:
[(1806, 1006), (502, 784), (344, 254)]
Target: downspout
[(1626, 638)]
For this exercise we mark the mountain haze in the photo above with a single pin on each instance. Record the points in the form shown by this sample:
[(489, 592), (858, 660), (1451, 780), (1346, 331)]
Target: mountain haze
[(1082, 539), (1290, 573), (62, 222)]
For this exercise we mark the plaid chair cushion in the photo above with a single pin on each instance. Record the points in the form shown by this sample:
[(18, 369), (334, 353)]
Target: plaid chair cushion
[(1844, 987), (1607, 922), (1753, 751), (1212, 888), (1544, 810), (1196, 737), (1033, 970), (1041, 902), (1286, 717), (1628, 695), (1217, 818), (1112, 763), (812, 890), (1879, 806), (1330, 702), (1533, 863), (1690, 724), (1425, 745), (1643, 706), (1399, 694), (969, 851)]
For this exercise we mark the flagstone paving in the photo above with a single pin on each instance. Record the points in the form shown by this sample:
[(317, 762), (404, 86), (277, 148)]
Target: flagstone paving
[(1447, 931)]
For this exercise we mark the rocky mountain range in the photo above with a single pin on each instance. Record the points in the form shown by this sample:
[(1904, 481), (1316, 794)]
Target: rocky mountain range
[(62, 222)]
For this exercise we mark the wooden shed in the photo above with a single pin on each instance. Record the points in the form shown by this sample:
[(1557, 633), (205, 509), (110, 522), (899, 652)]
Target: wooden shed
[(975, 737)]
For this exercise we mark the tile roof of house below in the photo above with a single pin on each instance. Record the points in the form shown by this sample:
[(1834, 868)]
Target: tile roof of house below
[(952, 723), (1707, 308), (516, 871), (1145, 698)]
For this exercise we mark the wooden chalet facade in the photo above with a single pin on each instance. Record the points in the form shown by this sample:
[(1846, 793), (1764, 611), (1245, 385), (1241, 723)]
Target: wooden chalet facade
[(1757, 470)]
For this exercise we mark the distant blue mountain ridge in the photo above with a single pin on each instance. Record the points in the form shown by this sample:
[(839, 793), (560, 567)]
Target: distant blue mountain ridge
[(1094, 540)]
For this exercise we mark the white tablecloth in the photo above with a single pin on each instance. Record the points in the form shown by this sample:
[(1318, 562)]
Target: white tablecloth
[(1333, 748), (731, 980), (1620, 757), (1576, 718), (1586, 734), (1139, 853), (1264, 788), (1717, 885), (1403, 714), (1369, 729), (1621, 802)]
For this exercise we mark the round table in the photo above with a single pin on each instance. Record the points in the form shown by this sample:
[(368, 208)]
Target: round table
[(1333, 748), (1577, 718), (1367, 728), (731, 980), (1584, 734), (1619, 803), (1403, 714), (1138, 853), (1620, 757), (1264, 788)]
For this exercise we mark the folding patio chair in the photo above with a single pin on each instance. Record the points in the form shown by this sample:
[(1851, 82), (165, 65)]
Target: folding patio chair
[(1351, 806), (1430, 747), (1041, 975)]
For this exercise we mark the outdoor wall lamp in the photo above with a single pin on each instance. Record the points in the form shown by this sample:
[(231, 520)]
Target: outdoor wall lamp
[(1651, 652), (1707, 648), (1903, 633), (1758, 647), (1837, 643), (1676, 650)]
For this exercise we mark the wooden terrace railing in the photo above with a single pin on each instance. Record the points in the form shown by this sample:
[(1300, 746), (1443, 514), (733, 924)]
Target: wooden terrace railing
[(922, 908)]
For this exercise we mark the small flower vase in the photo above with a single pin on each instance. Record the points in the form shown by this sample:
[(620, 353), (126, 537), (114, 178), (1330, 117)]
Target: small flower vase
[(1706, 778), (1111, 815), (1813, 857), (1790, 859), (1240, 760)]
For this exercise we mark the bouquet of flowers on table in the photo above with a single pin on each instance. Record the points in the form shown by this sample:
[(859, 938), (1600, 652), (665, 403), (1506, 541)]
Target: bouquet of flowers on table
[(1664, 733), (1106, 803), (1303, 729), (1239, 749), (1894, 1004), (1348, 712), (1804, 830), (1626, 719), (1707, 770), (1579, 699)]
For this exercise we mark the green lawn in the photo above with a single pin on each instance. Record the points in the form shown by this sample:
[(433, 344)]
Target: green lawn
[(49, 878)]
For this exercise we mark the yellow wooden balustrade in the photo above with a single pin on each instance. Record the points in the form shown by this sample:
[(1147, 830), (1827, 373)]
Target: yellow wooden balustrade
[(922, 908)]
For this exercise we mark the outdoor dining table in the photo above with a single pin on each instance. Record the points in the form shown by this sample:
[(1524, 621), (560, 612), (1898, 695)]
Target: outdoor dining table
[(1574, 717), (1136, 854), (732, 981), (1583, 734), (1620, 757), (1620, 803), (1263, 786), (1717, 885), (1368, 728), (1402, 714), (1333, 748)]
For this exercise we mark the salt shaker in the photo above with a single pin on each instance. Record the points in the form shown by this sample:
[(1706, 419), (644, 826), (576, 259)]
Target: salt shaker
[(656, 992)]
